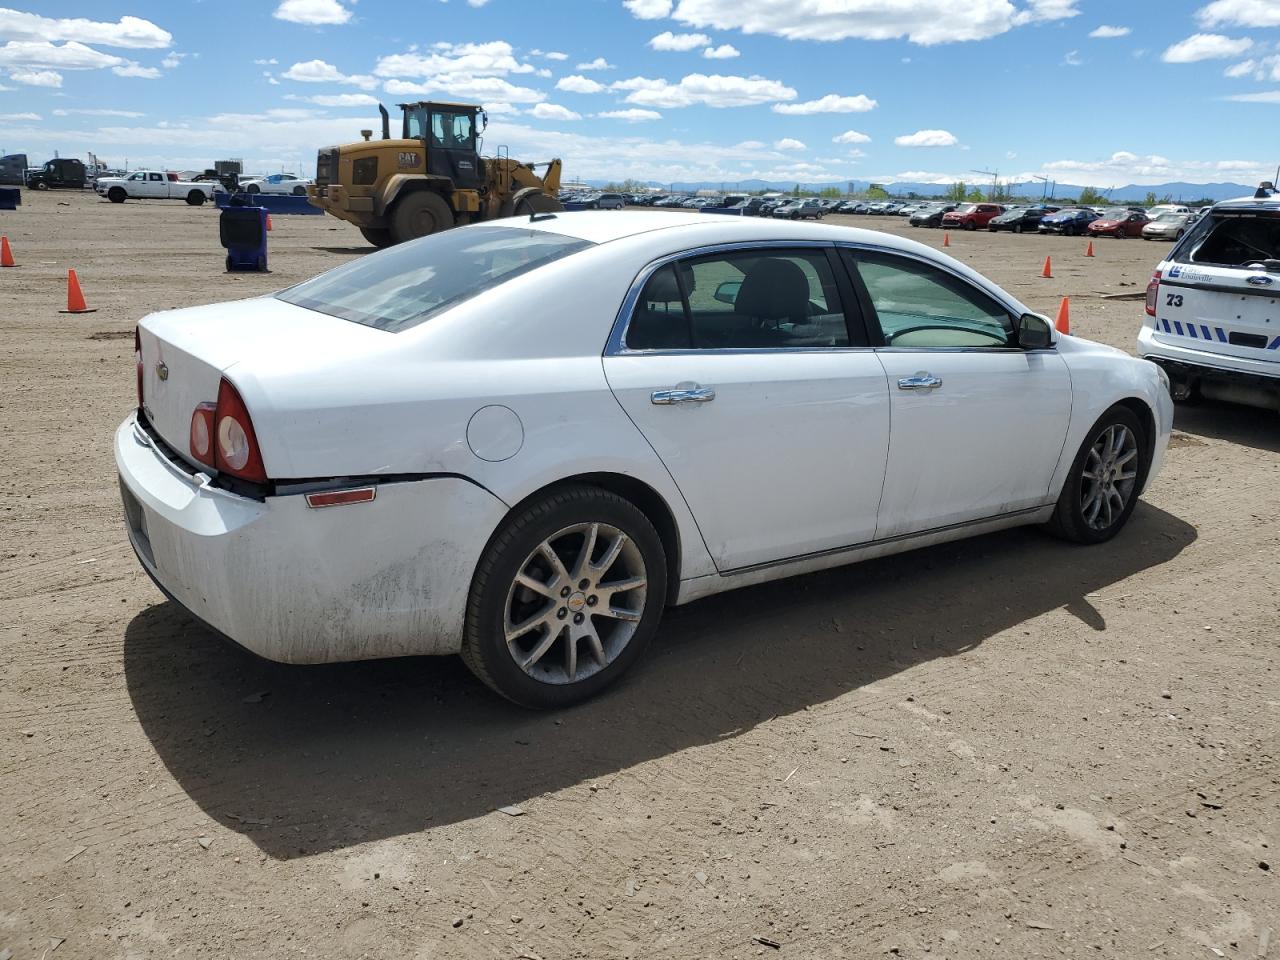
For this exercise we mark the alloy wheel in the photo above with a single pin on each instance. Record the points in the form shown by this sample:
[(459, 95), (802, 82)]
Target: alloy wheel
[(575, 603), (1110, 474)]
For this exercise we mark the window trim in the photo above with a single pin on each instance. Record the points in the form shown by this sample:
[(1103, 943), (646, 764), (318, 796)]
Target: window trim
[(848, 253), (856, 328)]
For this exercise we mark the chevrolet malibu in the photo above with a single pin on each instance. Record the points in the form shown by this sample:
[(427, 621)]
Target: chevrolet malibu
[(521, 440)]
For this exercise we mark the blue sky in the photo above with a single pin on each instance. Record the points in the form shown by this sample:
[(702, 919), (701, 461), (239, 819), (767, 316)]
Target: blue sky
[(1082, 91)]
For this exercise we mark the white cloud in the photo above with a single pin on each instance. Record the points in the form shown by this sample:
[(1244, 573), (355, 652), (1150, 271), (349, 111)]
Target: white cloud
[(137, 70), (921, 21), (477, 89), (338, 99), (1105, 32), (851, 136), (498, 107), (1266, 96), (171, 61), (553, 111), (648, 9), (36, 78), (87, 112), (1205, 46), (313, 12), (265, 63), (556, 55), (698, 88), (787, 143), (126, 32), (831, 103), (22, 116), (71, 55), (927, 138), (1072, 58), (476, 3), (1240, 13), (679, 42), (750, 145), (726, 51), (1125, 167), (1261, 69), (579, 84), (631, 115), (318, 71), (599, 63), (495, 58)]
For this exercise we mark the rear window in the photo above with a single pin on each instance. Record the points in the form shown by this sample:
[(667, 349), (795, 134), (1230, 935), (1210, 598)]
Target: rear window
[(403, 286), (1232, 239)]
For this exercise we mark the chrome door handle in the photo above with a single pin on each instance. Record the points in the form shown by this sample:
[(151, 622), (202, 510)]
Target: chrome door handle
[(921, 381), (683, 395)]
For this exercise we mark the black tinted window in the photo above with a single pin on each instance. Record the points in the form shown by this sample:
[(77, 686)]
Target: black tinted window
[(758, 299), (401, 287), (1231, 240)]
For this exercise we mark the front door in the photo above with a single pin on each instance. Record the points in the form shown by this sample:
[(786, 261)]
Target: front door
[(451, 148), (978, 422), (767, 407)]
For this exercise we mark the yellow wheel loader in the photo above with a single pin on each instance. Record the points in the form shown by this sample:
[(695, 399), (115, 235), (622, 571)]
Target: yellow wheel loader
[(430, 179)]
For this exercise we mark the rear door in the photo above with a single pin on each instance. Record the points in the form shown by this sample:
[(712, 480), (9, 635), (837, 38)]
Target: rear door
[(978, 422), (1218, 290), (761, 397), (157, 186)]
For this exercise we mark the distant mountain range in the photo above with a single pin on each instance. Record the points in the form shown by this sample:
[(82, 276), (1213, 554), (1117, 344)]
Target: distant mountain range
[(1177, 190)]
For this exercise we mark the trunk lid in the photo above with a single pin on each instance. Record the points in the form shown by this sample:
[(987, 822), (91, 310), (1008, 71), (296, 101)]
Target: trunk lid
[(185, 354)]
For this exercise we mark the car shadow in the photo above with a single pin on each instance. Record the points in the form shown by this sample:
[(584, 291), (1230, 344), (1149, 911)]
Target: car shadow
[(1235, 423), (361, 251), (309, 759)]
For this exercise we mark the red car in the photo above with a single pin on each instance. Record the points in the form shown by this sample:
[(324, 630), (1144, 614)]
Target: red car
[(1119, 222), (971, 216)]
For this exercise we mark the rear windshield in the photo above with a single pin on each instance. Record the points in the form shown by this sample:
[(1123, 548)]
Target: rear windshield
[(401, 287), (1231, 239)]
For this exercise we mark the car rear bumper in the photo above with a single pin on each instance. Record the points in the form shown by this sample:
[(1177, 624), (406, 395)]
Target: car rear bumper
[(1153, 346), (293, 584)]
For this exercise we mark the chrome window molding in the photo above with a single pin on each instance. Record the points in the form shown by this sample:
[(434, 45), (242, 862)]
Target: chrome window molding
[(616, 345)]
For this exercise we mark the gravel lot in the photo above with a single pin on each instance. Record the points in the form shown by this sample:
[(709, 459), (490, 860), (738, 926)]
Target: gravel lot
[(1009, 747)]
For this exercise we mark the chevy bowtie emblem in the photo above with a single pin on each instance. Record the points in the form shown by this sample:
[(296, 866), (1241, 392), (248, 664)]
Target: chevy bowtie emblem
[(162, 371)]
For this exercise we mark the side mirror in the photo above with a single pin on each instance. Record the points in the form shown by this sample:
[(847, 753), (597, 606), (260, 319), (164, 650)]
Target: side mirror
[(727, 292), (1036, 332)]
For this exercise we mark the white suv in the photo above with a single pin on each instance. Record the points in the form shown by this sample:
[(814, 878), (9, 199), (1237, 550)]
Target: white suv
[(1213, 305)]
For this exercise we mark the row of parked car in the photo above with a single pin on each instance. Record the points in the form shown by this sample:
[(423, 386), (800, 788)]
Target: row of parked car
[(1161, 222)]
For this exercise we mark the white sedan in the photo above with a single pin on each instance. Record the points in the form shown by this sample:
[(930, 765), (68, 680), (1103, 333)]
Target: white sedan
[(521, 440), (279, 184)]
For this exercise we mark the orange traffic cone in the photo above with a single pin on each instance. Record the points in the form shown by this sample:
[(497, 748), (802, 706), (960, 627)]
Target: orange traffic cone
[(1063, 323), (946, 239), (75, 299), (1048, 269), (268, 223), (6, 255), (1088, 251)]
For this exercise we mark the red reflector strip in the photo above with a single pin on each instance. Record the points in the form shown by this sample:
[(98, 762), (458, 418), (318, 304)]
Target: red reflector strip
[(341, 497)]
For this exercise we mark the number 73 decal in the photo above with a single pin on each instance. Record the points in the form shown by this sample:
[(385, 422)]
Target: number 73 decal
[(1173, 300)]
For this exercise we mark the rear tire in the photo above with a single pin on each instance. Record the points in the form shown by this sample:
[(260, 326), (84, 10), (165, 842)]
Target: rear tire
[(420, 214), (531, 633), (537, 203), (299, 191), (195, 198), (1105, 479), (252, 189), (378, 236)]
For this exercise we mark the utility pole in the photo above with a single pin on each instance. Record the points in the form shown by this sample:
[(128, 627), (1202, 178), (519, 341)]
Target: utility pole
[(995, 180)]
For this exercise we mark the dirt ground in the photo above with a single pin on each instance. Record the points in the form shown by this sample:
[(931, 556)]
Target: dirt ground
[(1008, 747)]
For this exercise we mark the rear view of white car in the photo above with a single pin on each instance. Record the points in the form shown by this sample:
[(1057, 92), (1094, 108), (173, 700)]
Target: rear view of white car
[(1213, 306)]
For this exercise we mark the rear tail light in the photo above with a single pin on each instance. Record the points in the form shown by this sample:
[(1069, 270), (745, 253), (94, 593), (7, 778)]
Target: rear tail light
[(137, 360), (1153, 289), (235, 447), (202, 430)]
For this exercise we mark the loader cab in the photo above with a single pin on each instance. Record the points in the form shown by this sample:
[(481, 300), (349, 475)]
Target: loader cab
[(451, 135)]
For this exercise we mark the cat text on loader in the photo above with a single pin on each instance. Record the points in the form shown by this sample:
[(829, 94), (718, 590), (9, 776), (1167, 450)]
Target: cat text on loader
[(430, 179)]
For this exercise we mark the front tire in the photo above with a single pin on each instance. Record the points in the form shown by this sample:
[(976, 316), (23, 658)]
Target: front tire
[(1105, 479), (299, 191), (252, 188), (116, 195), (535, 203), (567, 595), (420, 214), (378, 236)]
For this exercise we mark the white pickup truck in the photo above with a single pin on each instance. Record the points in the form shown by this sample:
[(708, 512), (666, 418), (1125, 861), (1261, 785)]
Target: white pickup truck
[(154, 185)]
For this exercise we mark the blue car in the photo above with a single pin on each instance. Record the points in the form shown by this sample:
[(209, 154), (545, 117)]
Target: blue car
[(1071, 222)]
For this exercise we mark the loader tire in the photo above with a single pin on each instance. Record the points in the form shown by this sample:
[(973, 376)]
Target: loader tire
[(537, 203), (420, 214), (378, 236)]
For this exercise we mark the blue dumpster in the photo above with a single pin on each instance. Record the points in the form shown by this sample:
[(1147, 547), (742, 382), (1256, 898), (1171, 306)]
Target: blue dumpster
[(243, 231)]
